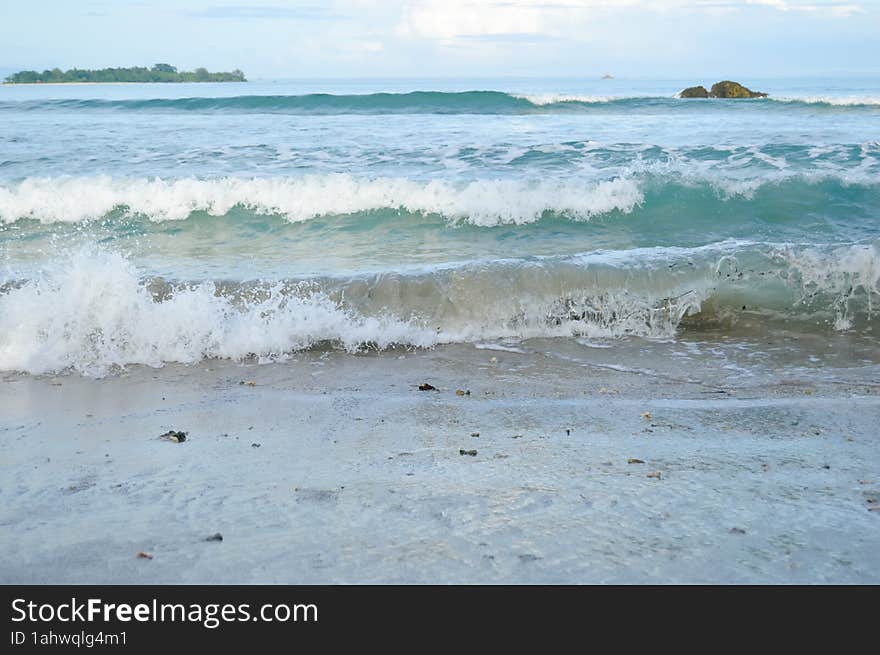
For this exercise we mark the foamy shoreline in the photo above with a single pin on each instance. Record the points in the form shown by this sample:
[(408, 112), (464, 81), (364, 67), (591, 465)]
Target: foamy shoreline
[(336, 468)]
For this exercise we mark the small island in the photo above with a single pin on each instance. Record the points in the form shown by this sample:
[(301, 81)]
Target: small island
[(158, 73)]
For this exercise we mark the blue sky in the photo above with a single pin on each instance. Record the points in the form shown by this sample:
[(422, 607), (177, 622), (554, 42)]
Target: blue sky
[(388, 38)]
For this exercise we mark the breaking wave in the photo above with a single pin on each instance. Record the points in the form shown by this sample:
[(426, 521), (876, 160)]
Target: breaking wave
[(481, 202), (96, 311), (299, 199)]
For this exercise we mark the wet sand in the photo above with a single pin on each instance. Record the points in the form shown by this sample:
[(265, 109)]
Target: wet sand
[(333, 468)]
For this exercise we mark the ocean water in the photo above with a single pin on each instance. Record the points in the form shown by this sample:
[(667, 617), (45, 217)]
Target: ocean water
[(146, 224)]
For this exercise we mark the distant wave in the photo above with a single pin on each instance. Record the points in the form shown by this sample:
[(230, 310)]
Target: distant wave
[(426, 102), (835, 101), (418, 102), (480, 202), (95, 311), (550, 99)]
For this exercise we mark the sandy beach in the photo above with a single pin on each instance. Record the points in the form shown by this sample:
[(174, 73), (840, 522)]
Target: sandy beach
[(646, 463)]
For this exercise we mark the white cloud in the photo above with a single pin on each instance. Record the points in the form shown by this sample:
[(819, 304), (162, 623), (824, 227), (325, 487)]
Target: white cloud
[(450, 20), (454, 19), (835, 9)]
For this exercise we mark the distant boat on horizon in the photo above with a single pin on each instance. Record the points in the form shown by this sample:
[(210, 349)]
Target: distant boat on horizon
[(607, 76)]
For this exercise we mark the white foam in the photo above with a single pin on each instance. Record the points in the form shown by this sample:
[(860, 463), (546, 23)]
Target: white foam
[(499, 347), (553, 98), (843, 274), (94, 313), (488, 202), (842, 101)]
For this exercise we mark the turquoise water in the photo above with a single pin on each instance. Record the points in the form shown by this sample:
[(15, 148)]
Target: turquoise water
[(156, 223)]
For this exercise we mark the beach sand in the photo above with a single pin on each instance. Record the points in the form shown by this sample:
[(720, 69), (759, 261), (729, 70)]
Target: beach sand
[(335, 468)]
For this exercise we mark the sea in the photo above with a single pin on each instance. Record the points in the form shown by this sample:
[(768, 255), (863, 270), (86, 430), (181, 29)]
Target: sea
[(147, 224)]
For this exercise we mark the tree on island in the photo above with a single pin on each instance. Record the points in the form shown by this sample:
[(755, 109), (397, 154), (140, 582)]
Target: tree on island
[(158, 73)]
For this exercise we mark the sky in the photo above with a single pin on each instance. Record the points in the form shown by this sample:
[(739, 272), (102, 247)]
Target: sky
[(275, 39)]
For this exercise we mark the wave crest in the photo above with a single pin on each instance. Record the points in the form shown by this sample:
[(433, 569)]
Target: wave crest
[(96, 311), (484, 203)]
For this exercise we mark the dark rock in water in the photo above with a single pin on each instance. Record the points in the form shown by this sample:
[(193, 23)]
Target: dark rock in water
[(728, 89), (694, 92), (215, 537), (174, 435), (723, 89)]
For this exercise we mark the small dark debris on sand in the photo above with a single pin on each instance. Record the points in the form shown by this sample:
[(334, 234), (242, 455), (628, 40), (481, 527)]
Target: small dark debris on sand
[(427, 387), (215, 537), (472, 453), (142, 555), (174, 435)]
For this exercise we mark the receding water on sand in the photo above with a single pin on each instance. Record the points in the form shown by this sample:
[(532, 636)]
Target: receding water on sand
[(755, 464)]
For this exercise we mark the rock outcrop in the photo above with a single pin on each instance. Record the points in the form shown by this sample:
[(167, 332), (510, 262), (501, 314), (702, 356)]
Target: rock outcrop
[(724, 89), (694, 92), (728, 89)]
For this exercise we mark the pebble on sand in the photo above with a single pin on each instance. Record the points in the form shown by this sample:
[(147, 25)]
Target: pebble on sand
[(174, 435)]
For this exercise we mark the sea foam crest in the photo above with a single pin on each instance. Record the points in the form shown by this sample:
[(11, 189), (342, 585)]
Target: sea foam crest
[(844, 274), (837, 101), (486, 202), (94, 313), (542, 99)]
